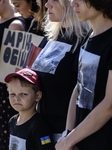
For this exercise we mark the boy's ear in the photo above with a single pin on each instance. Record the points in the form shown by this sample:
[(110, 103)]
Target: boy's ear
[(38, 96)]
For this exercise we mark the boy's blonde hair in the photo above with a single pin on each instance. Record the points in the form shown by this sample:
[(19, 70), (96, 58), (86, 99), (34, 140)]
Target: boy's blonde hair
[(24, 83)]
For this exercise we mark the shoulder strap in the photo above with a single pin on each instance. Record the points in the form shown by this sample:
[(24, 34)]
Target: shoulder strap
[(85, 41), (76, 46)]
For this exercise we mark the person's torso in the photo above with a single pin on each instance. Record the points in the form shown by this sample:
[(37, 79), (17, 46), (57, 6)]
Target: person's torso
[(57, 69), (33, 134), (95, 61)]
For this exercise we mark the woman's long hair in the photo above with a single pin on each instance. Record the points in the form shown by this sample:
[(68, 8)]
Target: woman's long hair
[(69, 21), (39, 17)]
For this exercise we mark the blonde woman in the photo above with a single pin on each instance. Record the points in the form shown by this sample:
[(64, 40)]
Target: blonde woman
[(57, 62)]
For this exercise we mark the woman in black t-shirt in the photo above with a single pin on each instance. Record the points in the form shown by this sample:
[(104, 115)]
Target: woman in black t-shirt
[(57, 63)]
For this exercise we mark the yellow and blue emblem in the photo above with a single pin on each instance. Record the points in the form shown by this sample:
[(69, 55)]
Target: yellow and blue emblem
[(45, 140)]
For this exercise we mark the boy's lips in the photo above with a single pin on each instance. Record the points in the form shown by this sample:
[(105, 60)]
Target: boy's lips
[(17, 104)]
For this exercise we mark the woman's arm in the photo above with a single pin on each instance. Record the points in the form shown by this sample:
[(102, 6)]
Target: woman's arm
[(17, 25), (70, 123)]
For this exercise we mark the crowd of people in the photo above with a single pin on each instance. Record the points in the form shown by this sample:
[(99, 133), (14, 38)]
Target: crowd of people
[(16, 15), (63, 101)]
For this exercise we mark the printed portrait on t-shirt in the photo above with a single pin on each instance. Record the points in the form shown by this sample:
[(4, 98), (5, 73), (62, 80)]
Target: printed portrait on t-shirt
[(17, 143), (49, 58), (88, 65)]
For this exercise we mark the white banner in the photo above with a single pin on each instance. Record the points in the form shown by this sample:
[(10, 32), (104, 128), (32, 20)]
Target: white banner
[(14, 50)]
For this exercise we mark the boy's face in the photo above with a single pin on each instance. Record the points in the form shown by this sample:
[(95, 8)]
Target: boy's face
[(22, 98), (84, 11)]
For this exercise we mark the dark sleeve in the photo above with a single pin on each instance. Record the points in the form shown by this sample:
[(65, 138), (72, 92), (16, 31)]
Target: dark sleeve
[(28, 22), (12, 123), (44, 139), (40, 138), (9, 124), (110, 60)]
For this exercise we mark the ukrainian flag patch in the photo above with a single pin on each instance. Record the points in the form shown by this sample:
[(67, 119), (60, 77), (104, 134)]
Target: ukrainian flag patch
[(45, 140)]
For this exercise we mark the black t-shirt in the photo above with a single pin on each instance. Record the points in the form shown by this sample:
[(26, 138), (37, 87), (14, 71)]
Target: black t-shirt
[(95, 61), (32, 135), (57, 69)]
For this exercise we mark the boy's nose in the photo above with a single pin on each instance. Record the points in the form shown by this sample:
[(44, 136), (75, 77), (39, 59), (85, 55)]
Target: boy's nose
[(17, 97)]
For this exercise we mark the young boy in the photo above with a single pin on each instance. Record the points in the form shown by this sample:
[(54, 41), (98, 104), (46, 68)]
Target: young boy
[(28, 130), (90, 108)]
